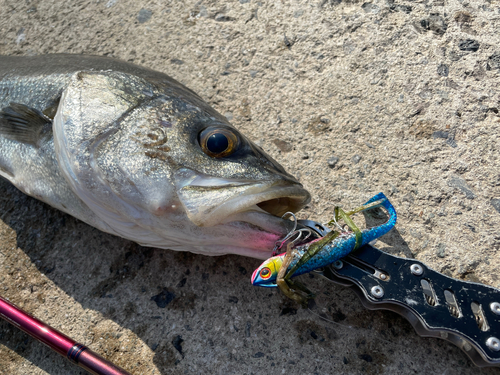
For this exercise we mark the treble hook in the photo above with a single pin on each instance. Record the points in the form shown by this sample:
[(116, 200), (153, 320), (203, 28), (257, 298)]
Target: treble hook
[(338, 225), (299, 233), (309, 233), (279, 244)]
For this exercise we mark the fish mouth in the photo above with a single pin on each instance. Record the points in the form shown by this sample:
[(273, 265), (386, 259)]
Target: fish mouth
[(209, 203), (265, 210), (279, 206)]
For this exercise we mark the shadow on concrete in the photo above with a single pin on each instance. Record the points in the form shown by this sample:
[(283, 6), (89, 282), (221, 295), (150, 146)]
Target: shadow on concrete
[(192, 308), (397, 244)]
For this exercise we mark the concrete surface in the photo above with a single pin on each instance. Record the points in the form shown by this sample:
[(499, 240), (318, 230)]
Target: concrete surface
[(354, 98)]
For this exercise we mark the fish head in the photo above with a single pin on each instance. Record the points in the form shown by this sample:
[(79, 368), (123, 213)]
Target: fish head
[(159, 166), (267, 273)]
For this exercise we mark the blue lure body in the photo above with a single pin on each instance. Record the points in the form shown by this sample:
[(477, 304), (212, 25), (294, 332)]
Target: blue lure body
[(340, 247), (345, 243)]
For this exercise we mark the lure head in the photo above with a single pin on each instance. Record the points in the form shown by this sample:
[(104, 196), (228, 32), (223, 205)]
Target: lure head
[(267, 273)]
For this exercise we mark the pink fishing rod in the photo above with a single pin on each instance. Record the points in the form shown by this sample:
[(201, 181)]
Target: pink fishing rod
[(60, 343)]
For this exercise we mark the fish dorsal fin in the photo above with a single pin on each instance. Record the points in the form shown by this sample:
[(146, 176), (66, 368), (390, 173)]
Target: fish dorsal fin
[(24, 124)]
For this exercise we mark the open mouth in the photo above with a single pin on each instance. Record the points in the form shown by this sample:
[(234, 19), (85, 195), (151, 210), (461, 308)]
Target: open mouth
[(279, 206), (211, 201), (213, 205), (266, 214)]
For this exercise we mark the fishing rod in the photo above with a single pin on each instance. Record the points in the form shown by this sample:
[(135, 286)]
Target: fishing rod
[(77, 353)]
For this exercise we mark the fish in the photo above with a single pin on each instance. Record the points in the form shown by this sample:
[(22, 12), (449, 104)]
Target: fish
[(332, 247), (134, 153)]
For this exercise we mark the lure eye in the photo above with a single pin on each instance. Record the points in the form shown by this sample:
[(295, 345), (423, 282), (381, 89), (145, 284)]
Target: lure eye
[(265, 273), (218, 142)]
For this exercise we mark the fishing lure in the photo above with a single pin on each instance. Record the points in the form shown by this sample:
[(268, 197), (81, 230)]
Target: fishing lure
[(278, 270)]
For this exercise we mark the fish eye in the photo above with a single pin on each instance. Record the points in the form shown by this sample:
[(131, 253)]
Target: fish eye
[(265, 273), (218, 142)]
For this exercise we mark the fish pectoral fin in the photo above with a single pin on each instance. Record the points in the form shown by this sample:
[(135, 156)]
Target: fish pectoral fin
[(24, 124)]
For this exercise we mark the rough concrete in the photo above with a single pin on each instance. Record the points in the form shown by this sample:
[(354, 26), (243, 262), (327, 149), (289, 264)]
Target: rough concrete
[(352, 97)]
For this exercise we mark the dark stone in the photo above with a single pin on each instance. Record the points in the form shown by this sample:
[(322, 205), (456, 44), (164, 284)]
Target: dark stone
[(315, 336), (471, 227), (405, 8), (468, 45), (463, 18), (356, 159), (493, 61), (258, 355), (443, 70), (244, 1), (345, 360), (366, 357), (177, 343), (440, 134), (144, 15), (331, 2), (434, 23), (437, 24), (420, 109), (182, 283), (243, 270), (458, 183), (451, 142), (370, 8), (496, 204), (332, 161), (233, 299), (400, 8), (223, 18), (177, 61), (338, 316), (247, 329), (163, 299), (48, 270), (441, 250), (288, 311)]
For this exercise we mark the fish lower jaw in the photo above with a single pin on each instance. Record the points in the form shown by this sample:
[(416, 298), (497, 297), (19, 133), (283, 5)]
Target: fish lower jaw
[(259, 220)]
